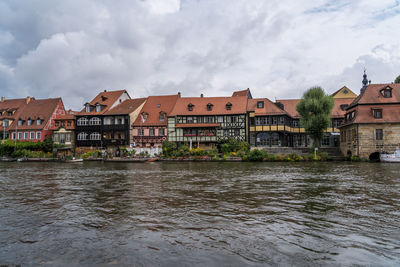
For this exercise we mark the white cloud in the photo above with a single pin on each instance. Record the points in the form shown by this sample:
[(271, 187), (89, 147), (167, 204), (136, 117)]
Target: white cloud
[(74, 49)]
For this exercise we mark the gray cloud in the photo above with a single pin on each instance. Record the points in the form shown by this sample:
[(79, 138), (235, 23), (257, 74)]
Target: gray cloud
[(74, 49)]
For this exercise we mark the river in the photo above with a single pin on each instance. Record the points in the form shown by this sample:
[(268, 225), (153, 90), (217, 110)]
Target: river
[(200, 214)]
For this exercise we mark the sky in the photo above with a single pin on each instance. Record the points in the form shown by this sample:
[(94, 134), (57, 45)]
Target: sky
[(278, 48)]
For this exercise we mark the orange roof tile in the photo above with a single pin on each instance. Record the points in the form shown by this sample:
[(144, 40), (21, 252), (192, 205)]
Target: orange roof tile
[(153, 106), (269, 107), (126, 107), (106, 98), (243, 93), (364, 114), (289, 105), (372, 94), (15, 105), (337, 110)]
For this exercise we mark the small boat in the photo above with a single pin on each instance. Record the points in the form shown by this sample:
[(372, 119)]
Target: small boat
[(394, 157), (73, 160), (152, 160)]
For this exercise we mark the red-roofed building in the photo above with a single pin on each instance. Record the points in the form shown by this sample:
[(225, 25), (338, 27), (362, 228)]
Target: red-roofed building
[(64, 132), (372, 122), (90, 120), (35, 121), (149, 129), (206, 121), (9, 111)]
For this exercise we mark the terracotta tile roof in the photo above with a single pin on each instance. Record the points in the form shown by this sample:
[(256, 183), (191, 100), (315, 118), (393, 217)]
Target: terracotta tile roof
[(15, 105), (269, 107), (239, 106), (37, 108), (289, 105), (364, 114), (337, 112), (243, 93), (106, 98), (126, 107), (372, 94), (153, 106)]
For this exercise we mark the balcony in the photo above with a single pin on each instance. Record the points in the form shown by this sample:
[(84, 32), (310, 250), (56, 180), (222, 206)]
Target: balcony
[(115, 127)]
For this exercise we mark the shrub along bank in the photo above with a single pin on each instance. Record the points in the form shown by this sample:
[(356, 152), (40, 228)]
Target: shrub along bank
[(28, 149)]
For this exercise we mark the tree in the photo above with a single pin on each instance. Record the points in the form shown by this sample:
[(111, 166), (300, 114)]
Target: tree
[(315, 112), (397, 79)]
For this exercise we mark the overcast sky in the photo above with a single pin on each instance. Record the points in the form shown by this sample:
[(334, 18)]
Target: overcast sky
[(278, 49)]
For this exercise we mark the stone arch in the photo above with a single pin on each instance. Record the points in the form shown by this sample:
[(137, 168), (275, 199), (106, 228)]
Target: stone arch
[(374, 156)]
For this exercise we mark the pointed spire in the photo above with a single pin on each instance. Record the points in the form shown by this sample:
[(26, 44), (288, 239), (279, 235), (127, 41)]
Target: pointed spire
[(365, 81)]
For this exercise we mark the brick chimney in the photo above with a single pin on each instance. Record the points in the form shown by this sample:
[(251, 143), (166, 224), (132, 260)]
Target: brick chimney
[(28, 99), (201, 95), (3, 99), (179, 94)]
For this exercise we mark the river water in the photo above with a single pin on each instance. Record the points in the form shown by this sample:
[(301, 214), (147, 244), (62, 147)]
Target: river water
[(200, 214)]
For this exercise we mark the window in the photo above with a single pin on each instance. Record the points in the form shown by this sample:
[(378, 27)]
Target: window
[(82, 121), (275, 120), (226, 132), (38, 135), (229, 106), (220, 119), (377, 113), (281, 120), (62, 138), (19, 122), (94, 121), (55, 138), (29, 122), (13, 136), (295, 123), (209, 106), (69, 123), (158, 105), (343, 106), (237, 132), (141, 132), (162, 116), (87, 108), (144, 117), (234, 119), (326, 140), (56, 123), (189, 120), (260, 104), (26, 135), (161, 131), (151, 132), (379, 134), (32, 135), (200, 119), (387, 92), (98, 108), (38, 121), (6, 123), (19, 135), (95, 136), (82, 136), (190, 107), (9, 113), (68, 137)]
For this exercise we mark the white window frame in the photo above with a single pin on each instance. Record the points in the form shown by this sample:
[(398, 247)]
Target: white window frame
[(95, 121), (82, 121), (32, 135), (19, 136), (26, 135), (82, 136), (38, 135), (95, 136)]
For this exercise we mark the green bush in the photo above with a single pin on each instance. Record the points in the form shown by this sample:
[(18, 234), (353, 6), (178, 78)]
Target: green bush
[(256, 155), (169, 148)]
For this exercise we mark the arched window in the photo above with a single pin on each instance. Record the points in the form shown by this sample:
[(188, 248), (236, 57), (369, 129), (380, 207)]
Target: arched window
[(82, 136), (82, 121), (229, 106), (94, 121), (95, 136), (190, 107)]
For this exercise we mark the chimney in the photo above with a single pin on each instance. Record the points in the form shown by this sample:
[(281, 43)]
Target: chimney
[(179, 94), (201, 95), (28, 99), (3, 99), (105, 91)]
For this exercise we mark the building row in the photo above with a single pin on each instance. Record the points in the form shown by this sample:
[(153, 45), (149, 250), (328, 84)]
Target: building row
[(361, 125)]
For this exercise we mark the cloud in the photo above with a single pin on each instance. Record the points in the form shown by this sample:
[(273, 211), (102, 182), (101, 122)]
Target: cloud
[(74, 49)]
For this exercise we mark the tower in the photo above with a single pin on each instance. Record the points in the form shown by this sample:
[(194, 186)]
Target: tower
[(364, 82)]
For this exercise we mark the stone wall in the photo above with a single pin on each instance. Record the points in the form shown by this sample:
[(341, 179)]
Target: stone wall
[(364, 142)]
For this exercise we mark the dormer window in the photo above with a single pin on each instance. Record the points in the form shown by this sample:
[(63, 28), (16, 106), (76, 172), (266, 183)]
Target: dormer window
[(10, 113), (228, 106), (377, 113), (103, 98), (87, 108), (162, 116), (19, 122), (158, 105), (209, 106), (190, 107), (38, 121), (29, 122), (260, 104), (387, 92), (98, 108), (343, 106), (144, 117)]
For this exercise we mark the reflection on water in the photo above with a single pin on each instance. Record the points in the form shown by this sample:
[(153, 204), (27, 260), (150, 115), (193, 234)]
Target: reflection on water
[(203, 214)]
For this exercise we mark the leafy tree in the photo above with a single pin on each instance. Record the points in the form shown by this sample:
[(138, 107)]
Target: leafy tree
[(397, 79), (315, 112)]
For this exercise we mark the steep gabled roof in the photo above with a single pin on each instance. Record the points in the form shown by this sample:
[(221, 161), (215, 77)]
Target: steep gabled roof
[(269, 107), (15, 105), (344, 92), (35, 109), (126, 107), (238, 105), (243, 93), (289, 105), (106, 98), (372, 94), (337, 110), (153, 107)]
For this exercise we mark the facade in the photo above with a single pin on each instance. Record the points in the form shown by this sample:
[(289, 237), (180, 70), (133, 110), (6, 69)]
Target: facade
[(207, 121), (9, 112), (34, 122), (90, 129), (372, 122), (64, 132), (117, 131)]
